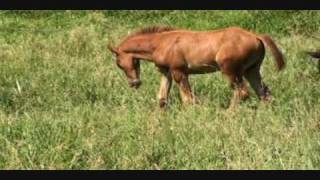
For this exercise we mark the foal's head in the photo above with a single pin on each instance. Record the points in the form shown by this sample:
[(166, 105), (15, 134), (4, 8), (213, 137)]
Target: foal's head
[(129, 65)]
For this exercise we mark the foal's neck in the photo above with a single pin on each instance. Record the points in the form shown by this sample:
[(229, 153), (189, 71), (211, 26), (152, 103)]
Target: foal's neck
[(141, 47)]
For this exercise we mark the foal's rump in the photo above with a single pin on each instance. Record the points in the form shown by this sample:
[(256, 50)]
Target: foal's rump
[(251, 46)]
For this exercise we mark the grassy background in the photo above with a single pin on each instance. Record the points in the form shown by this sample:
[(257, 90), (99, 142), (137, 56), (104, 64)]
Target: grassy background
[(65, 105)]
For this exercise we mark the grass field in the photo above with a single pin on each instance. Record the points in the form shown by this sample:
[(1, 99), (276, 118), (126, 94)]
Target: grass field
[(64, 104)]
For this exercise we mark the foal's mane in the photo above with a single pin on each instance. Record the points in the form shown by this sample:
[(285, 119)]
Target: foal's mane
[(154, 29), (151, 30)]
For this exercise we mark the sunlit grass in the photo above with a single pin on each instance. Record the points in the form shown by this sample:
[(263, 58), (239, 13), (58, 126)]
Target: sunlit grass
[(65, 105)]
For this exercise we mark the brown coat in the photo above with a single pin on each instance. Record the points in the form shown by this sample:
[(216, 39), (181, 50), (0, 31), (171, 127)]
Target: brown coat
[(236, 52)]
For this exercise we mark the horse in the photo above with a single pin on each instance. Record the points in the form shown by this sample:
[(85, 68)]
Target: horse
[(178, 53)]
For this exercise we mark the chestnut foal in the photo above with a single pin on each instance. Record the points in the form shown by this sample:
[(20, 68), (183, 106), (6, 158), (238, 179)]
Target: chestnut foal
[(236, 52)]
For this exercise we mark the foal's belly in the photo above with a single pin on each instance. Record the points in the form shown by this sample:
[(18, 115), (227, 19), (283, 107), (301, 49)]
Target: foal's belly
[(202, 68)]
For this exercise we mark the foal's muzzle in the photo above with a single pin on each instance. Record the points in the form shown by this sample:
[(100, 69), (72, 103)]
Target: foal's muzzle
[(135, 83)]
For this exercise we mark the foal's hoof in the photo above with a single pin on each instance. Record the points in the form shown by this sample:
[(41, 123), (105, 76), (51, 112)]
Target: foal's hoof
[(162, 103), (244, 95), (267, 99), (196, 101), (232, 109)]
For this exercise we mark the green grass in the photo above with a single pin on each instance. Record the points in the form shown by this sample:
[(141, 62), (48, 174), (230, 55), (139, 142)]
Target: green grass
[(65, 105)]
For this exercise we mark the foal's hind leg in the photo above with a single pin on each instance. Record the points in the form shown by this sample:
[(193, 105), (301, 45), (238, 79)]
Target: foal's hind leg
[(165, 85), (181, 79), (244, 92), (240, 90), (254, 77)]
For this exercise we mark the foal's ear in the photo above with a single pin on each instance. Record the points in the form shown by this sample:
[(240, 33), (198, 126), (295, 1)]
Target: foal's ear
[(113, 49)]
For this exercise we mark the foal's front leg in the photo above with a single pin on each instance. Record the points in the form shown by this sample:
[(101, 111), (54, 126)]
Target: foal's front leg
[(165, 85), (181, 79)]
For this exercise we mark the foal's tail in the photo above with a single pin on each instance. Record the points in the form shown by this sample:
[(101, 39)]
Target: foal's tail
[(278, 57)]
